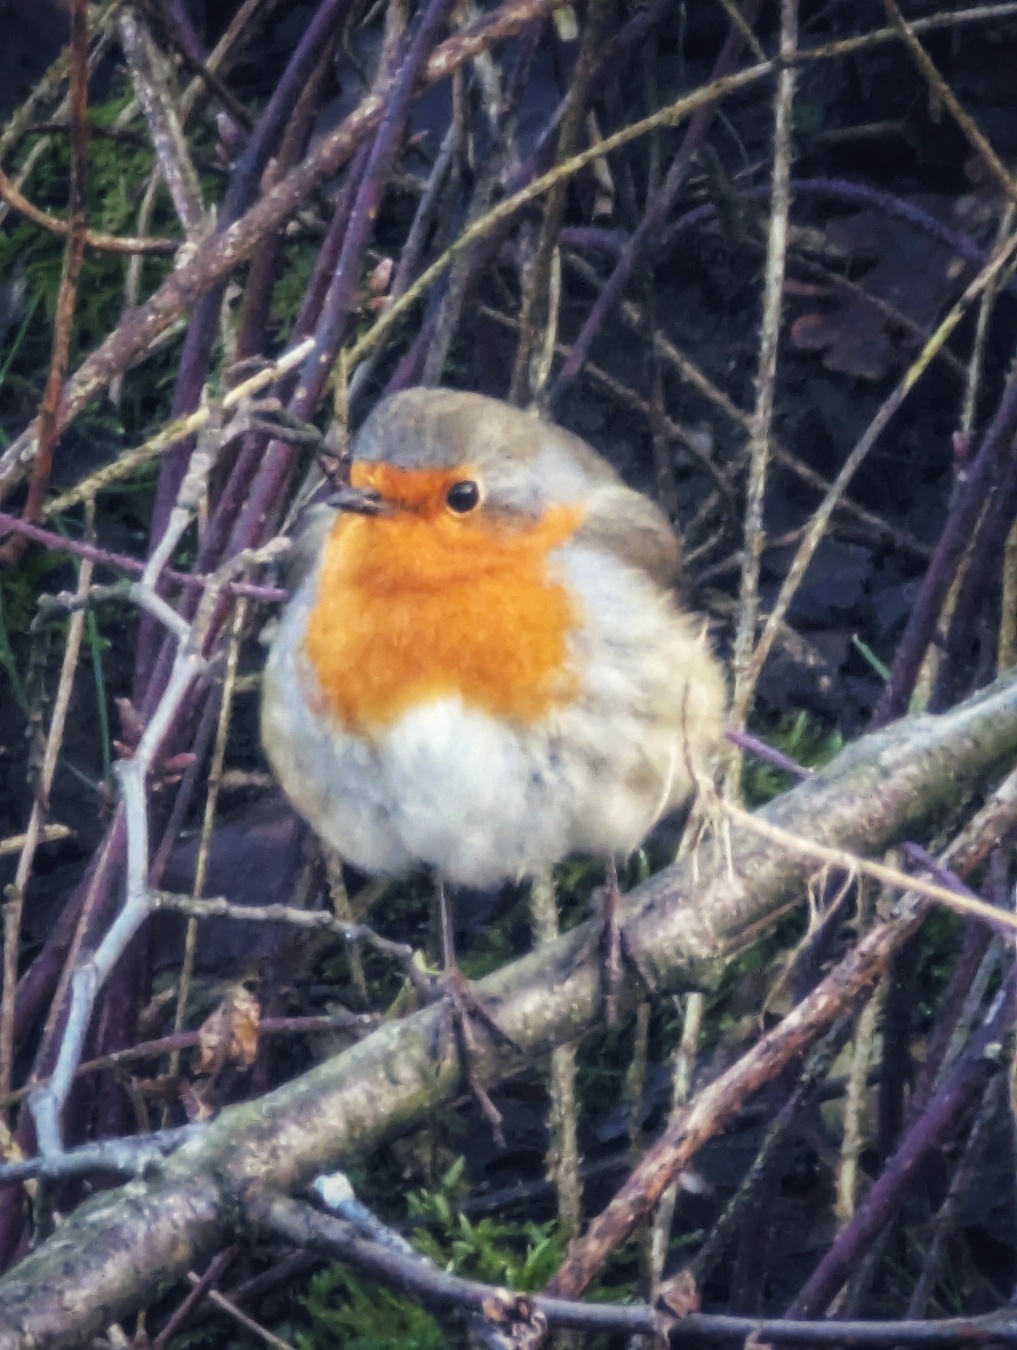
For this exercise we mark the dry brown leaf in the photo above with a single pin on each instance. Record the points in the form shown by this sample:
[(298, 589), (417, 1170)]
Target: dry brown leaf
[(230, 1034), (380, 276), (680, 1294), (197, 1108), (912, 273)]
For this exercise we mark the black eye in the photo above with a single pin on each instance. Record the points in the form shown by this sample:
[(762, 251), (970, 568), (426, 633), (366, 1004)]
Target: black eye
[(463, 497)]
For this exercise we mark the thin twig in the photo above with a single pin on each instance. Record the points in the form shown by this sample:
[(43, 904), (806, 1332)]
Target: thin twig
[(958, 529), (208, 820), (15, 896), (1000, 919), (77, 548), (942, 92), (352, 1023), (947, 1218), (190, 660), (129, 460), (534, 310), (102, 243), (199, 1292), (681, 1093), (151, 88), (766, 376), (237, 1314), (336, 313), (745, 1203), (47, 834), (67, 294), (239, 32), (852, 1140), (563, 1121), (216, 907)]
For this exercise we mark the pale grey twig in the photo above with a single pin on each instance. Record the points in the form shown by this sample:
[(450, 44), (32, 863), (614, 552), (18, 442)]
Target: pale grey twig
[(218, 907), (190, 661), (745, 673), (34, 831), (129, 1157), (151, 81), (563, 1119)]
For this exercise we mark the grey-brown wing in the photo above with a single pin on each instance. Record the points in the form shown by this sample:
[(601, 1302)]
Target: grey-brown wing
[(635, 529)]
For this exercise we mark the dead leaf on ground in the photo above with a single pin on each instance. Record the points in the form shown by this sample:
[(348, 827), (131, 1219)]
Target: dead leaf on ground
[(680, 1294), (912, 273), (198, 1108), (230, 1034)]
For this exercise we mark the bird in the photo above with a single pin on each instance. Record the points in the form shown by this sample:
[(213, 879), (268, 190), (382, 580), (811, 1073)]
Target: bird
[(485, 667)]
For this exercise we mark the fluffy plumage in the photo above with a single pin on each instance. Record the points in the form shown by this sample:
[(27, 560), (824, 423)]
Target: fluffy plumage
[(484, 692)]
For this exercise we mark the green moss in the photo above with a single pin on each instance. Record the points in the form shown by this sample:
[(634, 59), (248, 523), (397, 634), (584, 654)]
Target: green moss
[(119, 165), (345, 1310), (349, 1313), (803, 739)]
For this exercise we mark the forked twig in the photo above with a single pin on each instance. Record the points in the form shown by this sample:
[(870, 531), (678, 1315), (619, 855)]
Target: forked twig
[(190, 661)]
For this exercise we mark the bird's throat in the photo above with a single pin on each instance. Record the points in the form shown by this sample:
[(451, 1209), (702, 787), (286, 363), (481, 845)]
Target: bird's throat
[(412, 609)]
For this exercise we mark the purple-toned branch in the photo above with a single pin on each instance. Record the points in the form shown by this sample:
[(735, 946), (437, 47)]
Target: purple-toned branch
[(122, 562), (841, 189), (980, 585), (946, 1110), (338, 306), (974, 489)]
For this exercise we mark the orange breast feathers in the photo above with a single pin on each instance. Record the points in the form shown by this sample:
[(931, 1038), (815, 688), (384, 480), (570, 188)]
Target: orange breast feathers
[(420, 603)]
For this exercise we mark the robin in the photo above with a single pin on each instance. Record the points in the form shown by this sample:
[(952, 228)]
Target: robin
[(484, 668)]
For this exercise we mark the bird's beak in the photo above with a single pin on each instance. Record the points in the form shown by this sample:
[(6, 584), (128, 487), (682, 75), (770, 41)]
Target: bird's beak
[(361, 501)]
